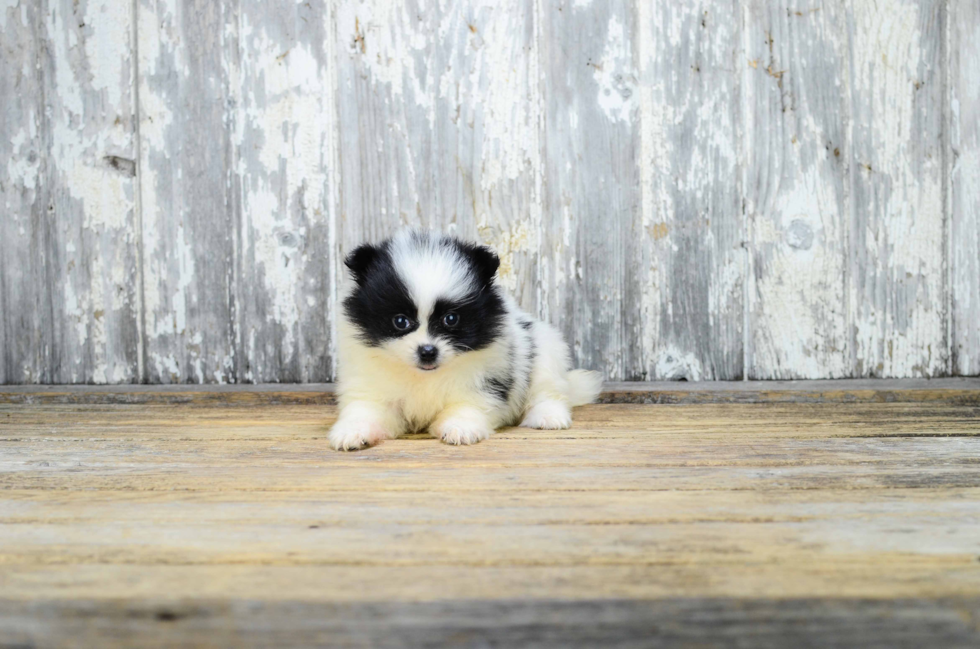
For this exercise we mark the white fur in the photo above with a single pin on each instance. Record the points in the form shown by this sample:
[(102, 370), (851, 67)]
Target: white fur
[(383, 394)]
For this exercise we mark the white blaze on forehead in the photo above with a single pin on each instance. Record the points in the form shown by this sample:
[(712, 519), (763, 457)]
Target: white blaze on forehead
[(431, 269)]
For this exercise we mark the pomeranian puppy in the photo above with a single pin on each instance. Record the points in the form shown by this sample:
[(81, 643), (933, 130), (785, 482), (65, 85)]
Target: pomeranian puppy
[(428, 341)]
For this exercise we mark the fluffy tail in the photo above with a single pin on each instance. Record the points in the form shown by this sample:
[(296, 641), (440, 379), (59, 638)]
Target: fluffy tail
[(584, 386)]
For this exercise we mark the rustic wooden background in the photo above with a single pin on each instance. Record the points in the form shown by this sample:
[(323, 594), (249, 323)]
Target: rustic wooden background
[(715, 189)]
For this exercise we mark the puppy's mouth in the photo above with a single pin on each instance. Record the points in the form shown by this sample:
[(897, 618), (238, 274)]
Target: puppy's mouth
[(428, 368)]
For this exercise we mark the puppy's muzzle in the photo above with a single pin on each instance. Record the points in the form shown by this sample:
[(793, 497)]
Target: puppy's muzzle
[(428, 356)]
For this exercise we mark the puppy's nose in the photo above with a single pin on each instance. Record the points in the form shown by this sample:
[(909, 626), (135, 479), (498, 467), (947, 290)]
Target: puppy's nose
[(428, 353)]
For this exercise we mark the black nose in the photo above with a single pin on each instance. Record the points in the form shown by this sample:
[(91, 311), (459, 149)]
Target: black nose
[(428, 353)]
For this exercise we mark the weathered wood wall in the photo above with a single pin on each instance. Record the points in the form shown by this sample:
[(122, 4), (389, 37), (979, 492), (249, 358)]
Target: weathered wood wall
[(714, 189)]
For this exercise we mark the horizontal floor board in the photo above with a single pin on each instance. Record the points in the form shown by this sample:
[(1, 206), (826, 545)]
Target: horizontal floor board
[(960, 390), (677, 621), (118, 520)]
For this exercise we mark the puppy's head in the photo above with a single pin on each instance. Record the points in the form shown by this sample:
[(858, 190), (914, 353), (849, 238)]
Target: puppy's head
[(424, 299)]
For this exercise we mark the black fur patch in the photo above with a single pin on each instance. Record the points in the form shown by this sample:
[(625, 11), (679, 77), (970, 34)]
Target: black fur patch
[(484, 261), (500, 388), (526, 325), (359, 261), (380, 296), (480, 319)]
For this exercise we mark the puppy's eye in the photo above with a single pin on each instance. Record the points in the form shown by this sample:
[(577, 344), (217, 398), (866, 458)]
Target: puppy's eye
[(401, 322), (450, 319)]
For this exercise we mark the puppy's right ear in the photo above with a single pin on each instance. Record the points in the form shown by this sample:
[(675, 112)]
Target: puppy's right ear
[(360, 260)]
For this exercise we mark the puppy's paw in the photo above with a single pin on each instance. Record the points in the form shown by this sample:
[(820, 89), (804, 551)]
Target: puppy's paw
[(549, 415), (462, 429), (354, 434)]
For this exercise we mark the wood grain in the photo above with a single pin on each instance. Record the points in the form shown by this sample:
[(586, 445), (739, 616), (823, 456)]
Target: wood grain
[(442, 132), (795, 181), (239, 196), (896, 243), (765, 189), (952, 391), (287, 169), (963, 165), (591, 182), (189, 523), (68, 252), (680, 622), (687, 264), (191, 205)]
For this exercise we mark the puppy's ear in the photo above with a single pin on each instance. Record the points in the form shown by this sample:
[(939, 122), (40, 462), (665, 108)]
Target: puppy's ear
[(485, 262), (360, 260)]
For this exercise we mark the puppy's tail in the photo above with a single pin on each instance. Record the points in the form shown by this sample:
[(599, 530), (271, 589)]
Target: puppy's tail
[(584, 386)]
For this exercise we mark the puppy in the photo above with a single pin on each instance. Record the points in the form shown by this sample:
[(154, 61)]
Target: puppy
[(429, 341)]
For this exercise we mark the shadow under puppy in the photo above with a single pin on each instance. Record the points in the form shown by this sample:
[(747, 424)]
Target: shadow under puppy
[(429, 341)]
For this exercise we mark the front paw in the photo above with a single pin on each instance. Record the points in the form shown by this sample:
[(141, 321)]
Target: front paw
[(354, 434), (460, 429)]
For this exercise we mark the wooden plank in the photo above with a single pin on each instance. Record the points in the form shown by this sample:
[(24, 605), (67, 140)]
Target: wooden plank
[(195, 523), (190, 194), (963, 167), (685, 277), (862, 577), (795, 180), (322, 533), (953, 391), (23, 193), (591, 182), (673, 622), (442, 132), (285, 140), (245, 422), (257, 450), (896, 242), (68, 257)]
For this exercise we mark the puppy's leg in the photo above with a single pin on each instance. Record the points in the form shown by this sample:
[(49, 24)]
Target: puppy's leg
[(462, 424), (548, 393), (551, 414), (362, 424)]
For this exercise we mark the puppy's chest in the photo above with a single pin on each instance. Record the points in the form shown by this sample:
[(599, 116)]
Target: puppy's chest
[(420, 403)]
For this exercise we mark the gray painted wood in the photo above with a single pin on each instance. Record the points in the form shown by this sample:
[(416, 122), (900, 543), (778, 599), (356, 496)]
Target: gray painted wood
[(237, 132), (896, 244), (963, 164), (796, 175), (686, 271), (681, 187), (285, 165), (68, 257), (189, 193), (442, 132), (591, 182)]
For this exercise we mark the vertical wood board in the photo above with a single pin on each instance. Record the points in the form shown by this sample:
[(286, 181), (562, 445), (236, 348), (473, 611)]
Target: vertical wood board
[(189, 193), (591, 138), (796, 181), (285, 144), (963, 167), (685, 265), (69, 253), (896, 234), (438, 126)]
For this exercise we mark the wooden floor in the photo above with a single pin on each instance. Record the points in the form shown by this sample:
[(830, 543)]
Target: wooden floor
[(712, 524)]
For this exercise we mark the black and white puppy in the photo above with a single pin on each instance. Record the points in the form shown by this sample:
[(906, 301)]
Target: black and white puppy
[(429, 341)]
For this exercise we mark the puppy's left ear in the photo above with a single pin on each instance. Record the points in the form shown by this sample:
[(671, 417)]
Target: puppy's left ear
[(485, 262), (360, 260)]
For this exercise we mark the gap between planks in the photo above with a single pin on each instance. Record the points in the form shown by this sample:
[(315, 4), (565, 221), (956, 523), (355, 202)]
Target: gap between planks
[(953, 391)]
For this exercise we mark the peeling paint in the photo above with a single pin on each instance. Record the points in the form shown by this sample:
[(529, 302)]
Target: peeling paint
[(614, 74), (680, 187)]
